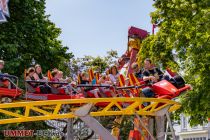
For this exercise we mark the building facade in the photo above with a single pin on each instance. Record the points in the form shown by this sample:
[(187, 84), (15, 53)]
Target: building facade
[(185, 132)]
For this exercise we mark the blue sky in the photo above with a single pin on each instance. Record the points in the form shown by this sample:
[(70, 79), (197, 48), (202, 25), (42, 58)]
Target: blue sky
[(93, 27)]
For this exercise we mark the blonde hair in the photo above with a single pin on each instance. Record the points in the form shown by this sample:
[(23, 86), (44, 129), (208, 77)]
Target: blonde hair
[(60, 72), (36, 66), (54, 72), (31, 69)]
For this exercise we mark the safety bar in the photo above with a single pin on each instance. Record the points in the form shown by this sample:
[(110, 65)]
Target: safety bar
[(8, 76)]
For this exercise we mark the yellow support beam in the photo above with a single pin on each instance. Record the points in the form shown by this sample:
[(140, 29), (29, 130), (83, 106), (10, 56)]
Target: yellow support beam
[(47, 110)]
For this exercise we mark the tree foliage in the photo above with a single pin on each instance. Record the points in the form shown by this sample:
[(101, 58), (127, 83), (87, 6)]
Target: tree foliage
[(98, 63), (30, 34), (183, 43)]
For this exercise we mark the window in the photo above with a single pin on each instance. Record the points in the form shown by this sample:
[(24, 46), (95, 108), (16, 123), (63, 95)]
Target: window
[(184, 122), (205, 125), (196, 138), (195, 127)]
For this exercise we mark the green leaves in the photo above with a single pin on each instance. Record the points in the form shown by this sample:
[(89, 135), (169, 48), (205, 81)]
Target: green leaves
[(30, 34), (182, 43), (97, 63)]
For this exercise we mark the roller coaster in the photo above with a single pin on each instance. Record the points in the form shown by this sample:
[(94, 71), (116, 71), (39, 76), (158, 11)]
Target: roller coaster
[(120, 100)]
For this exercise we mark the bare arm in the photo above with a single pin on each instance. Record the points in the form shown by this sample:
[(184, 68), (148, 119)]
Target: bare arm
[(146, 78), (28, 78), (152, 78), (36, 77)]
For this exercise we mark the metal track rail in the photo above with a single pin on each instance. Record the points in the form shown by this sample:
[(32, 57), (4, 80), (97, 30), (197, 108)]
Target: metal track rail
[(47, 110)]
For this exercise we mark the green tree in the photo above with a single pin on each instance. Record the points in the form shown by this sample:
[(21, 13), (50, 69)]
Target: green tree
[(111, 57), (29, 34), (183, 43), (98, 63)]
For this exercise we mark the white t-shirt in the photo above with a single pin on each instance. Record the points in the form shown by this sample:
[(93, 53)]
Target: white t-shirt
[(114, 78)]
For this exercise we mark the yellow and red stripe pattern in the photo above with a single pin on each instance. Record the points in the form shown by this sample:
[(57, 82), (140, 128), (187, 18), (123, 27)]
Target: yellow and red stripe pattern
[(49, 75), (121, 80), (97, 77), (134, 81), (122, 83), (78, 79), (91, 74)]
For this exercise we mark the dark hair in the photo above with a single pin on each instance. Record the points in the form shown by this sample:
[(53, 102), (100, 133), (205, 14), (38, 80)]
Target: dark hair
[(112, 68), (149, 60), (82, 75)]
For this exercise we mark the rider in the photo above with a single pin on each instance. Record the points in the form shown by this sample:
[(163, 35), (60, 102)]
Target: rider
[(114, 75), (29, 76), (30, 73), (4, 82), (1, 66), (85, 80), (94, 81), (137, 70), (38, 73), (61, 83), (56, 78), (151, 73)]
